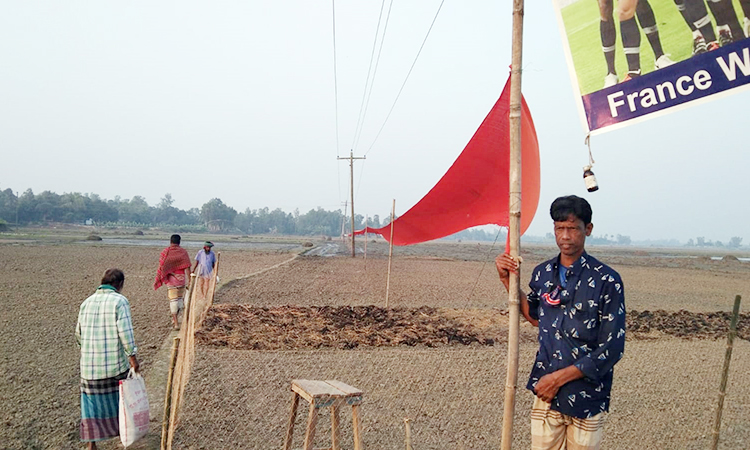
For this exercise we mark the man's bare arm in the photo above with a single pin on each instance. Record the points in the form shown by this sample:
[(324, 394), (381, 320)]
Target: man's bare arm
[(506, 265)]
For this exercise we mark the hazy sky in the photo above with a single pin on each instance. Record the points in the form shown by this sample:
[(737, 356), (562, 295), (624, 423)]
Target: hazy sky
[(236, 100)]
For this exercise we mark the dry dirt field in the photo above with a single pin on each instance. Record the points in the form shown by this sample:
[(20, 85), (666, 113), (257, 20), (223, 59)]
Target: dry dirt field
[(41, 288), (664, 396)]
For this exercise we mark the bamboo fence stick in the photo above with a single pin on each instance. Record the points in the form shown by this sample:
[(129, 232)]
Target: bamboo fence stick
[(215, 276), (407, 426), (514, 224), (390, 256), (725, 373), (168, 395), (189, 304)]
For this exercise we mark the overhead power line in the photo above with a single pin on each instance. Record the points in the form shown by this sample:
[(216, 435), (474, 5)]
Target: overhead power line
[(374, 75), (335, 75), (369, 71), (407, 78), (336, 90)]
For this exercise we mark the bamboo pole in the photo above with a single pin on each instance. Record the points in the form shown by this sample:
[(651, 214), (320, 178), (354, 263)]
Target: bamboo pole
[(407, 426), (725, 373), (365, 241), (351, 179), (215, 277), (168, 395), (188, 305), (390, 255), (514, 225)]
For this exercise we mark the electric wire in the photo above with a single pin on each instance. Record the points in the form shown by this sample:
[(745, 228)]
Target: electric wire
[(374, 74), (336, 94), (407, 78), (385, 28), (358, 130), (359, 180), (369, 71), (369, 94)]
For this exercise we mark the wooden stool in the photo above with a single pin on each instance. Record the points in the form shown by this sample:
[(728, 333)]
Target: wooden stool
[(321, 394)]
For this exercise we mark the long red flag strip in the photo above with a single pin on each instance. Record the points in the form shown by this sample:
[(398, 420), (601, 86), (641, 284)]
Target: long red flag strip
[(475, 190)]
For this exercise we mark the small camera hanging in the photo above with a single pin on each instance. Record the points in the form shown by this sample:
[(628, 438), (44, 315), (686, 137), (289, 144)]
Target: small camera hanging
[(589, 179)]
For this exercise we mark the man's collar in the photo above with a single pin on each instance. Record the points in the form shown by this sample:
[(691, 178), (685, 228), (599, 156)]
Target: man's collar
[(577, 266), (107, 287)]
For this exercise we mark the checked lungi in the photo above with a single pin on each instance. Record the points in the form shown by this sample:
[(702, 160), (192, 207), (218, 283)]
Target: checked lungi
[(100, 402), (552, 430)]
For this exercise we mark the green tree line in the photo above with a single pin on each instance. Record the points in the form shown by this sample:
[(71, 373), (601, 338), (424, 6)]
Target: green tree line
[(76, 208), (215, 216)]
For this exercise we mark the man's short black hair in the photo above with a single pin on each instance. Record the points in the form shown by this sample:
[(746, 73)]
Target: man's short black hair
[(114, 278), (563, 207), (175, 239)]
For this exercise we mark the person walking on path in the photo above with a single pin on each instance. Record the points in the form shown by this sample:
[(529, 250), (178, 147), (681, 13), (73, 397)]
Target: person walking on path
[(578, 304), (104, 333), (174, 271), (205, 261)]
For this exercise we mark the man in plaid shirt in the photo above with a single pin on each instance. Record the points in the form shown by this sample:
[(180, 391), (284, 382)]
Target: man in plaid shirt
[(105, 334)]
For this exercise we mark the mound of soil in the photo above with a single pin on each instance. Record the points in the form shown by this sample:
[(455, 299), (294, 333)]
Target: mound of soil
[(246, 327), (346, 327), (686, 324)]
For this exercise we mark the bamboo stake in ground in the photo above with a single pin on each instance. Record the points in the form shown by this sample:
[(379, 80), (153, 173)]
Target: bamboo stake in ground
[(365, 242), (168, 395), (514, 225), (187, 305), (408, 433), (390, 255), (725, 372), (215, 276)]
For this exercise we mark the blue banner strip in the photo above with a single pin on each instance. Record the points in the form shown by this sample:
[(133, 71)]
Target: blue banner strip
[(695, 78)]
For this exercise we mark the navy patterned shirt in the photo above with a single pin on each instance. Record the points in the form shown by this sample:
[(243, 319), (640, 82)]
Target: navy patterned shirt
[(581, 323)]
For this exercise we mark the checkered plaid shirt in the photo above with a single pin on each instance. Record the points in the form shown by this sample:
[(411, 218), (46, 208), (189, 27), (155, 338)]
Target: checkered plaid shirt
[(105, 334)]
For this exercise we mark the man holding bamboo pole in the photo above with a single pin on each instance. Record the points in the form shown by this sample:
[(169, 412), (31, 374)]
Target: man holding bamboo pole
[(578, 303)]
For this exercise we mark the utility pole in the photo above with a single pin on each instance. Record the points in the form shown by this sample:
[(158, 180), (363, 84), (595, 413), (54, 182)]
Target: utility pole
[(514, 224), (351, 159)]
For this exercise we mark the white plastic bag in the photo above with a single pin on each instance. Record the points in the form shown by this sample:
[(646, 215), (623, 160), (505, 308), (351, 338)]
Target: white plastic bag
[(134, 410)]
